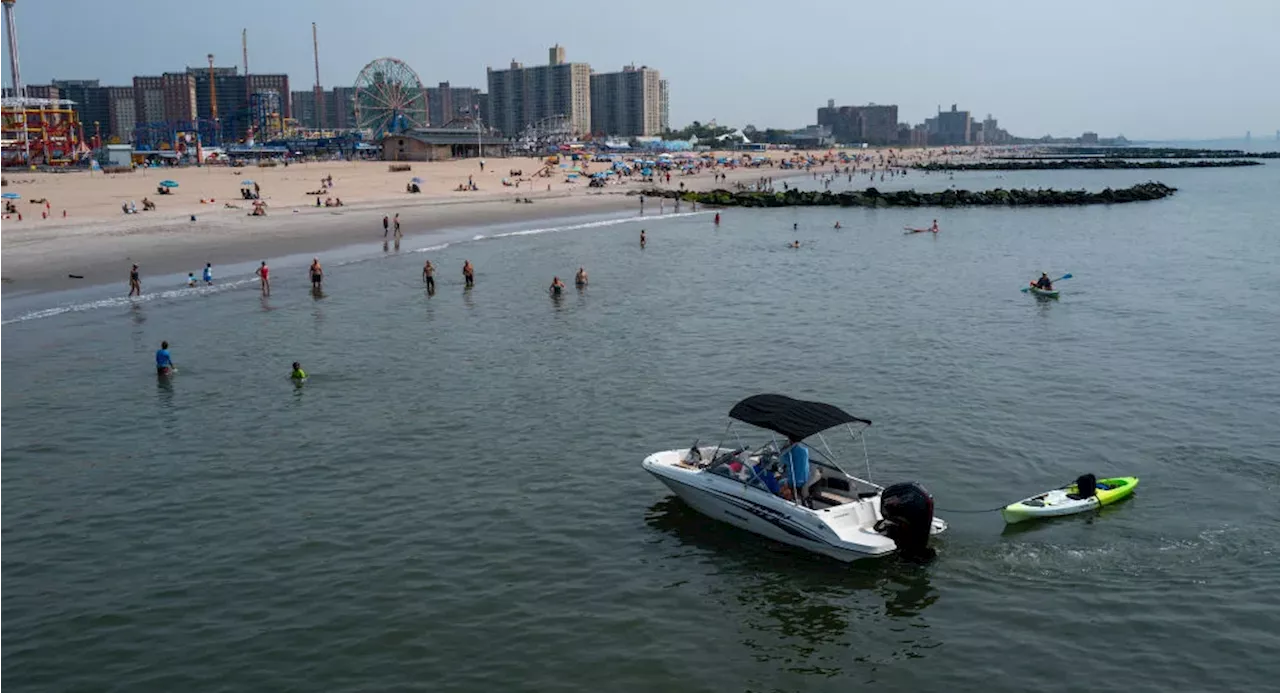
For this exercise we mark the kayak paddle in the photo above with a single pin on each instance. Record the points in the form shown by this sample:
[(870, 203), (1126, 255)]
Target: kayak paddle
[(1065, 276)]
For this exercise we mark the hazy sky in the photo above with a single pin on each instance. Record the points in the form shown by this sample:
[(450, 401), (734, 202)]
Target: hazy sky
[(1149, 69)]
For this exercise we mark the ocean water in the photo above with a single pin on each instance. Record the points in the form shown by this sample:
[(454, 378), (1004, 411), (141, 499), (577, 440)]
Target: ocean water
[(454, 502)]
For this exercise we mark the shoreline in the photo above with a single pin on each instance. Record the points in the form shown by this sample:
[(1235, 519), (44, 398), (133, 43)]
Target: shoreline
[(73, 225), (162, 250)]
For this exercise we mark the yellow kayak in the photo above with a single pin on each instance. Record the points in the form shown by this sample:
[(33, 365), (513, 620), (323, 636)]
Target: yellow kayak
[(1068, 501)]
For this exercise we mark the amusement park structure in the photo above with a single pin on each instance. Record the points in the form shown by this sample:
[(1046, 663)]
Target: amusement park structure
[(389, 98), (35, 131)]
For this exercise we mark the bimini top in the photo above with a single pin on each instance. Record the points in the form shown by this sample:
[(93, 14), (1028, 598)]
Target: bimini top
[(793, 418)]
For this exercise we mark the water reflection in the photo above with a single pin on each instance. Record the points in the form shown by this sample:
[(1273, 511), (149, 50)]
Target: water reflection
[(800, 608)]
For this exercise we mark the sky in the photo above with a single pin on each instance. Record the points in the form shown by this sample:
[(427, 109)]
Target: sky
[(1147, 69)]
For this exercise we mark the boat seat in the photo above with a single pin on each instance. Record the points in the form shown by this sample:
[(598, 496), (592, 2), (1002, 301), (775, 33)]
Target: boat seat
[(828, 498)]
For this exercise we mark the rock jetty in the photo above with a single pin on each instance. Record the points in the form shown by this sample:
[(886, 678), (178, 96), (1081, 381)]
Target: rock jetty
[(1082, 164), (1040, 197)]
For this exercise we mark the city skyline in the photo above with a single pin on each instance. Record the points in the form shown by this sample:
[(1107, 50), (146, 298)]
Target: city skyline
[(1109, 68)]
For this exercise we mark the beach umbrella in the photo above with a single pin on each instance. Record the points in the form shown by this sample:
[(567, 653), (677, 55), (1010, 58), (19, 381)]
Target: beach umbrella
[(415, 179), (246, 182), (168, 183), (11, 196)]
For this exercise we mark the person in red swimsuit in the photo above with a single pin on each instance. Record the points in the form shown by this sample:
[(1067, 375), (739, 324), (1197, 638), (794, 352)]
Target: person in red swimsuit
[(264, 275)]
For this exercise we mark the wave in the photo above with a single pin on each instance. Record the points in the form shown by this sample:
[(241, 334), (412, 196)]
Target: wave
[(121, 301), (116, 302)]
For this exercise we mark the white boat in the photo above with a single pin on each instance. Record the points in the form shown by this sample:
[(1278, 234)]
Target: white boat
[(834, 514)]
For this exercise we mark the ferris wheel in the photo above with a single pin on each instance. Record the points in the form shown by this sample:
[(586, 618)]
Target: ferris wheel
[(390, 97)]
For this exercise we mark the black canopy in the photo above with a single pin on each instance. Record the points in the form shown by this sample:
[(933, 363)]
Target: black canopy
[(794, 418)]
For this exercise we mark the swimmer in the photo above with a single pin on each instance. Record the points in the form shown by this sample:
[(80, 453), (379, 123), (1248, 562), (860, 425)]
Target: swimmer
[(191, 278), (298, 374), (264, 276), (934, 228), (468, 273), (794, 245), (795, 227), (317, 273), (580, 279), (208, 273), (837, 225), (164, 362), (642, 239), (429, 276), (556, 286)]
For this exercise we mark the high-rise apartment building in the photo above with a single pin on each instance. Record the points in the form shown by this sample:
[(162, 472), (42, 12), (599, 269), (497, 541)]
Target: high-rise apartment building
[(627, 103), (122, 113), (950, 127), (90, 104), (233, 93), (339, 108), (870, 124), (521, 96), (169, 97), (664, 125), (446, 103)]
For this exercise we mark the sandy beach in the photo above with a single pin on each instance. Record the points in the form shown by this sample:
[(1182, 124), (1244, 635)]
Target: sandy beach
[(81, 229)]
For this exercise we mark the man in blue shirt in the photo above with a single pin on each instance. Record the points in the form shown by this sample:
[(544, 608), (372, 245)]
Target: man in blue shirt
[(795, 469), (164, 363)]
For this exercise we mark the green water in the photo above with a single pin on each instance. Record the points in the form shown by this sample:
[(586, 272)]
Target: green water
[(454, 500)]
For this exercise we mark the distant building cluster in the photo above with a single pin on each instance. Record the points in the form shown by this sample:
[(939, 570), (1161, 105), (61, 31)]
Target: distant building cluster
[(628, 103), (878, 125), (237, 103)]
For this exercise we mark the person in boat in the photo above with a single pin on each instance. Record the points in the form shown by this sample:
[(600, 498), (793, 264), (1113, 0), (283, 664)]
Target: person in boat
[(556, 286), (1044, 282), (297, 373), (795, 469), (164, 362), (580, 279)]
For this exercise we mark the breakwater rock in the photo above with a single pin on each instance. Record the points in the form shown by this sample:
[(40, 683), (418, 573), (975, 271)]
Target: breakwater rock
[(1082, 164), (1040, 197), (1154, 153)]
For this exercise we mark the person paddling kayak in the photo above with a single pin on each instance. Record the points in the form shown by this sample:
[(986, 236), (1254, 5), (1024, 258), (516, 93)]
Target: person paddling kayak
[(1044, 283)]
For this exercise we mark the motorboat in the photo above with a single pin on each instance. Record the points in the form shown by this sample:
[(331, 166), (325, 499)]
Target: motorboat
[(830, 512)]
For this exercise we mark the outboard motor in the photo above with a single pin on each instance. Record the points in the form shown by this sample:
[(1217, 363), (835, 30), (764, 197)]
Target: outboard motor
[(908, 518), (1086, 487)]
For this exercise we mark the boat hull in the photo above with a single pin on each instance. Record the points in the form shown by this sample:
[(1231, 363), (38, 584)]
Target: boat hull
[(762, 520)]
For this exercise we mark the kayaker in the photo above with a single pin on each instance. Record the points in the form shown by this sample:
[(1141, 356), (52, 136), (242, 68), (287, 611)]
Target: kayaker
[(1044, 282)]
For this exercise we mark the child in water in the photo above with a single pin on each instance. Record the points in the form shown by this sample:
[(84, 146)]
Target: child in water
[(191, 278), (298, 374)]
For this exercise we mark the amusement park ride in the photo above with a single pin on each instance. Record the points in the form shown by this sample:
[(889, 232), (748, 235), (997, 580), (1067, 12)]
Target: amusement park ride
[(35, 131), (389, 98)]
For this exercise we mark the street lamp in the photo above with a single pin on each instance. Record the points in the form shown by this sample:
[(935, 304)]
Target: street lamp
[(97, 135)]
